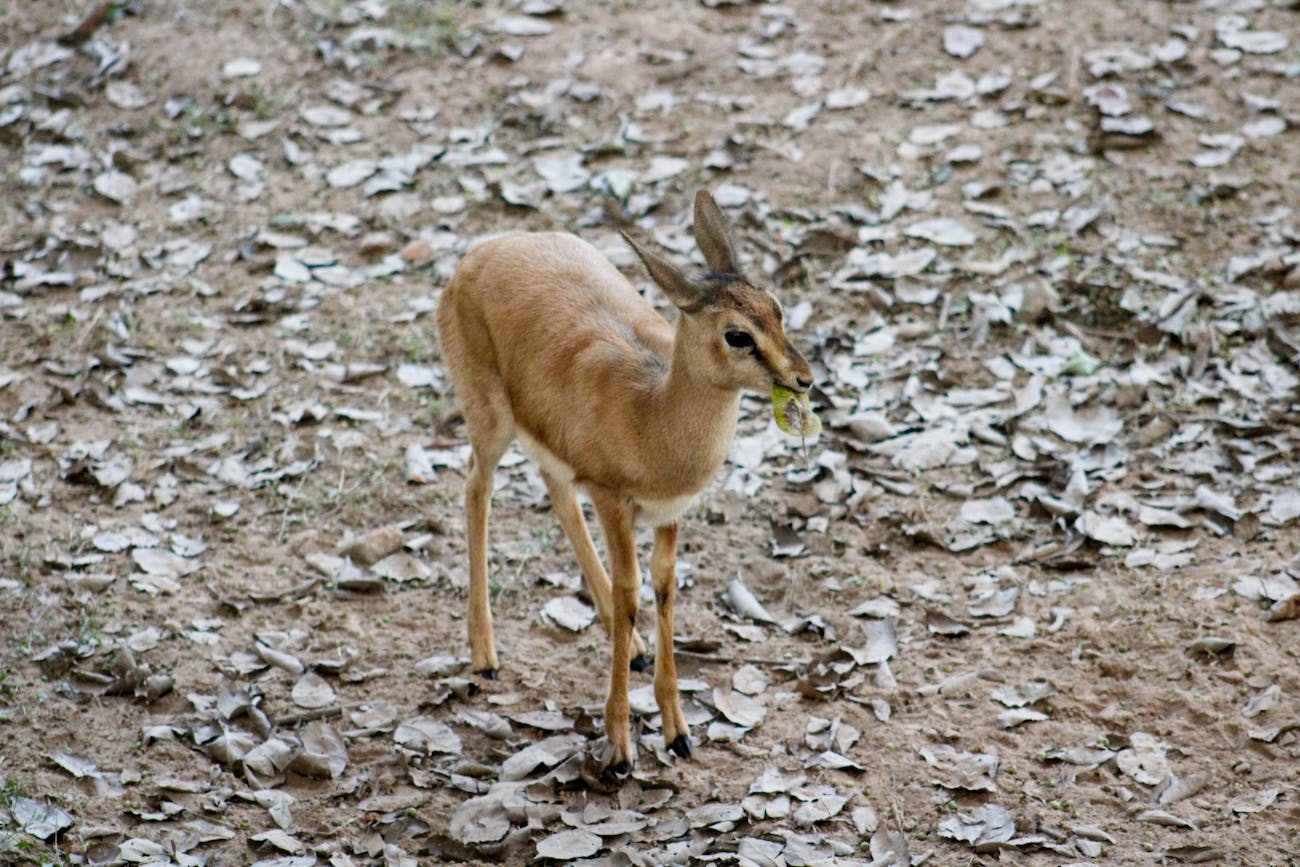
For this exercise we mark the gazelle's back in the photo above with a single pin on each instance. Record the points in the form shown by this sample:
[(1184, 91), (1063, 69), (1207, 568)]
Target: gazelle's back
[(549, 295), (550, 285)]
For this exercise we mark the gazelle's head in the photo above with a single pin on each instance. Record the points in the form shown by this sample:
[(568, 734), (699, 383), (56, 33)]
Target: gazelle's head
[(730, 329)]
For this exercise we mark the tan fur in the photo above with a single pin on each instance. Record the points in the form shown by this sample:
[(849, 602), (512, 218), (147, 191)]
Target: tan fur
[(547, 342)]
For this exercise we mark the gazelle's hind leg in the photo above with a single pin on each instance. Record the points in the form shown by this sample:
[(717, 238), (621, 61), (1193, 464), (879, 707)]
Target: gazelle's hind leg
[(491, 428), (565, 502)]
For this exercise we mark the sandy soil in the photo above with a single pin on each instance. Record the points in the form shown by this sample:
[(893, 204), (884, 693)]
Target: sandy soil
[(86, 359)]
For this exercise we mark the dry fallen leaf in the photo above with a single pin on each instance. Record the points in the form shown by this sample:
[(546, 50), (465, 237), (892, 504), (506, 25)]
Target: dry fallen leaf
[(988, 823), (570, 613), (958, 769), (424, 735)]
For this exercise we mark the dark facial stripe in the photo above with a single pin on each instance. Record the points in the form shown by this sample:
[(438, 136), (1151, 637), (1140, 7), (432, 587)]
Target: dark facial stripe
[(762, 357)]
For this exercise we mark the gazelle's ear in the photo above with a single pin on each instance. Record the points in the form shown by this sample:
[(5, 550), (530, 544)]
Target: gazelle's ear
[(712, 235), (680, 290)]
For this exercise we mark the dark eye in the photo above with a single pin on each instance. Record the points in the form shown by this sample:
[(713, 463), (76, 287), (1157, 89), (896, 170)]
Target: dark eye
[(739, 339)]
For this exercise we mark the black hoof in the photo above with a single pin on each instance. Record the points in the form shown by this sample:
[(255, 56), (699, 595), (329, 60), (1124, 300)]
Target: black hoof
[(682, 746), (640, 662), (487, 673), (622, 769)]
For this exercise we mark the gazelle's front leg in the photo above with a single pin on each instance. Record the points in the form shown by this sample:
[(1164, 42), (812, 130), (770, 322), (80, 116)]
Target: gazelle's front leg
[(663, 572), (565, 502), (616, 516)]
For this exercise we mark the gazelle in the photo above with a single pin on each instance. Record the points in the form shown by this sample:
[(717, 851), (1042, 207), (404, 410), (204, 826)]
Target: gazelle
[(546, 342)]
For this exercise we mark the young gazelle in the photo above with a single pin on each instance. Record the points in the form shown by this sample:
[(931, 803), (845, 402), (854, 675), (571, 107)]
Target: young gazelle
[(548, 343)]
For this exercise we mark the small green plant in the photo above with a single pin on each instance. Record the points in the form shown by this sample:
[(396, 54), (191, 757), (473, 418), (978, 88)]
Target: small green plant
[(433, 28), (11, 789)]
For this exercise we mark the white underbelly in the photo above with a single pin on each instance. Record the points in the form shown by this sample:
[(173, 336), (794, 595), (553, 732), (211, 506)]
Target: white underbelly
[(661, 512), (656, 512), (549, 461)]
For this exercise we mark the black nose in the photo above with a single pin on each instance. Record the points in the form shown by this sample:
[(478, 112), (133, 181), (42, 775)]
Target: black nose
[(804, 382)]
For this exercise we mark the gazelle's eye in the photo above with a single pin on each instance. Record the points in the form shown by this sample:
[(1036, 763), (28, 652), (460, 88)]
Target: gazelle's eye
[(739, 339)]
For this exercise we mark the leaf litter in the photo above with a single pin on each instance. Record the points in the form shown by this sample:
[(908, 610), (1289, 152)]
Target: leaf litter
[(1045, 397)]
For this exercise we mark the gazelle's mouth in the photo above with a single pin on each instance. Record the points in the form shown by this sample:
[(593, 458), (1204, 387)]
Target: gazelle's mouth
[(791, 386)]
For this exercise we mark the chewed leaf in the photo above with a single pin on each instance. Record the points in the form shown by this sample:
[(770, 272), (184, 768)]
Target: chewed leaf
[(793, 412)]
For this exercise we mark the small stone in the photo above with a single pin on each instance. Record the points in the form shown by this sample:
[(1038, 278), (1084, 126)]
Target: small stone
[(373, 546), (376, 245), (419, 250), (241, 67)]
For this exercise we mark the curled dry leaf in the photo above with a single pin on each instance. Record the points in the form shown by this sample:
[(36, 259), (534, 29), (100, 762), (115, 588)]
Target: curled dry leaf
[(958, 769), (1162, 817), (403, 567), (773, 782), (324, 754), (426, 735), (738, 707), (881, 641), (1212, 646), (480, 821), (994, 602), (545, 720), (41, 820), (544, 754), (570, 613), (1180, 788), (750, 680), (1255, 802), (939, 623), (1263, 701), (715, 815), (613, 823), (818, 805), (742, 601), (1106, 529), (943, 231), (312, 691), (487, 722), (264, 763), (1020, 696), (74, 765), (988, 823), (889, 848), (569, 845), (880, 607), (1145, 760), (1008, 719)]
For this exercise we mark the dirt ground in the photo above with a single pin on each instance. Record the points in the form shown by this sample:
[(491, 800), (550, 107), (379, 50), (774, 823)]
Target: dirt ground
[(1002, 629)]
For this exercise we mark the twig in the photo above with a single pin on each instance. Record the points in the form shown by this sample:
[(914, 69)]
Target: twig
[(86, 29), (309, 715), (732, 660)]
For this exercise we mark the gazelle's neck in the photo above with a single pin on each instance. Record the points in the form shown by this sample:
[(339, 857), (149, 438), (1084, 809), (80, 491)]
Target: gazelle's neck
[(692, 412)]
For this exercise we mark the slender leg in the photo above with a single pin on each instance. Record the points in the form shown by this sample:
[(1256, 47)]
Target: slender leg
[(616, 516), (478, 503), (663, 573), (565, 502)]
